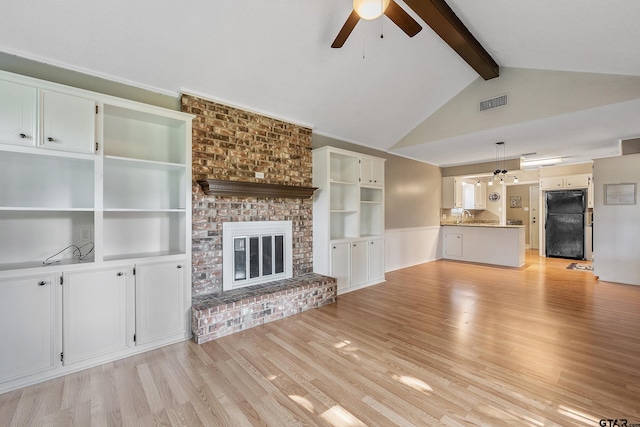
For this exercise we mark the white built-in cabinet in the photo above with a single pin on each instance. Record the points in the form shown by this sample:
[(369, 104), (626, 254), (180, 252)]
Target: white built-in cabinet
[(96, 313), (348, 217), (95, 228), (27, 315), (372, 171)]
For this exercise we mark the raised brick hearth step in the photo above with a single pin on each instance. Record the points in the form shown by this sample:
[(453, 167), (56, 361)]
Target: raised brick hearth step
[(219, 314)]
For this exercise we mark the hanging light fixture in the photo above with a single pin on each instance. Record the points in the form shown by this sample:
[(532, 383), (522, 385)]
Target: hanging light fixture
[(500, 173), (515, 180), (478, 184), (370, 9)]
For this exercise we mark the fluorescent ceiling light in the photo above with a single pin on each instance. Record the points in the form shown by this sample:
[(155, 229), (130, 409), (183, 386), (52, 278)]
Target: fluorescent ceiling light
[(541, 162)]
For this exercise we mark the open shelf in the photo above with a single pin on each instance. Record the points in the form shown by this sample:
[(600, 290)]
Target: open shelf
[(343, 168), (42, 181), (30, 237), (144, 136), (158, 186), (127, 232)]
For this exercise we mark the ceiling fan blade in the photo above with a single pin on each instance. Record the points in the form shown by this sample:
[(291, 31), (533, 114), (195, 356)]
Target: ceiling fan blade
[(348, 26), (402, 19)]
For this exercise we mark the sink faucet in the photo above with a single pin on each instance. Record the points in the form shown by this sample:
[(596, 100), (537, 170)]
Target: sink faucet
[(463, 214)]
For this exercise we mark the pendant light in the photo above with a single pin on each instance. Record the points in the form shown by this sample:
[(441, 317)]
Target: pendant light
[(500, 173), (370, 9)]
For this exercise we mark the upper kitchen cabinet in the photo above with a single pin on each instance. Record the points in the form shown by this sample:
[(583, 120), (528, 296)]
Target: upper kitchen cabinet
[(371, 171), (68, 122), (565, 182), (17, 114)]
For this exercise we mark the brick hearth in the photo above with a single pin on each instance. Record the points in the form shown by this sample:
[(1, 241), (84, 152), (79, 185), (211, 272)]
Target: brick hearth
[(223, 313)]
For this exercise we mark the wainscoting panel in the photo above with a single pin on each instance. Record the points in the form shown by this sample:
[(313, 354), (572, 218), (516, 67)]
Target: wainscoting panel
[(405, 247)]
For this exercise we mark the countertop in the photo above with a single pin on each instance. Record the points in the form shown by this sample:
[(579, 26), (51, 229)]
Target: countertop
[(471, 224)]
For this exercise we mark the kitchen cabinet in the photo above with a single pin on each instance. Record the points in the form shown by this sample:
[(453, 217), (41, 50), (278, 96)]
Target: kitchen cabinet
[(565, 182), (97, 309), (90, 219), (17, 114), (349, 204), (68, 122), (160, 305), (27, 318), (448, 192), (458, 193), (453, 244), (590, 193), (371, 171), (480, 196)]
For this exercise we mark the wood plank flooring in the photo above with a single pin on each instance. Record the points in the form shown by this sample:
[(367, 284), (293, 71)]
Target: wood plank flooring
[(442, 343)]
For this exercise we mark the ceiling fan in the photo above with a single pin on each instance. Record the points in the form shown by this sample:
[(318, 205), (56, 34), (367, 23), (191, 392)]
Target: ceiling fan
[(435, 13), (372, 9)]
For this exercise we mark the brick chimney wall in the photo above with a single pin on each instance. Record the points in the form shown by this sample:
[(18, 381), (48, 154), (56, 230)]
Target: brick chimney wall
[(232, 144)]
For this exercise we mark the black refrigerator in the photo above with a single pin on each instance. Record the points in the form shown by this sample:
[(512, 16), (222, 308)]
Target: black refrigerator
[(564, 228)]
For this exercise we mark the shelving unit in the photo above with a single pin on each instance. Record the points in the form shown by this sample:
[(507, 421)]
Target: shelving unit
[(93, 188), (349, 204)]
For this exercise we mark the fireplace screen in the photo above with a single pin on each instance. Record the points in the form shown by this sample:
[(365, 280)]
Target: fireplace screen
[(264, 256), (255, 252)]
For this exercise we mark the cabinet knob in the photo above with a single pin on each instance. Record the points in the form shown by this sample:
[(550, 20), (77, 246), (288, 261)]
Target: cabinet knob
[(22, 135), (50, 139), (179, 266), (42, 283), (120, 274)]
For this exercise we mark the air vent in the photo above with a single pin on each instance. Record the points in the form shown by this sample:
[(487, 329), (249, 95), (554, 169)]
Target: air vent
[(493, 103)]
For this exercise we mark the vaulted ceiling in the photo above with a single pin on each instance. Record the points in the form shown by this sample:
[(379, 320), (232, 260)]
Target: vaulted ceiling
[(388, 93)]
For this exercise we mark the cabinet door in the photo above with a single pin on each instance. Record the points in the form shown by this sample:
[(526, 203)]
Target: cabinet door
[(480, 199), (160, 310), (17, 114), (457, 193), (590, 193), (372, 171), (68, 122), (448, 192), (95, 313), (376, 260), (551, 183), (577, 181), (340, 264), (453, 244), (27, 317), (359, 262)]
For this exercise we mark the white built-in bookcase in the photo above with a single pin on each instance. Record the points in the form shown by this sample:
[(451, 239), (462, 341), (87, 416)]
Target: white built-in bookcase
[(348, 217), (109, 176)]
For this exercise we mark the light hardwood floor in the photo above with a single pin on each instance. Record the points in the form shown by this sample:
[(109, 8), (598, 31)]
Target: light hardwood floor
[(442, 343)]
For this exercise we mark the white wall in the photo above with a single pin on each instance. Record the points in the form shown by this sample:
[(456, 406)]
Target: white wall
[(616, 232)]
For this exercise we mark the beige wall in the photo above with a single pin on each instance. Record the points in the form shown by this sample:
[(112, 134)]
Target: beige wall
[(533, 95), (413, 190), (39, 70), (519, 213), (564, 170)]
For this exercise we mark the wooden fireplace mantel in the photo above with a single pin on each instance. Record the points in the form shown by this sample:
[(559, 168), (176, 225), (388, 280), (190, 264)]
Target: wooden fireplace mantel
[(219, 187)]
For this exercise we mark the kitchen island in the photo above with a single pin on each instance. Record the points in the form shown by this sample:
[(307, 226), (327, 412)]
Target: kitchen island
[(484, 243)]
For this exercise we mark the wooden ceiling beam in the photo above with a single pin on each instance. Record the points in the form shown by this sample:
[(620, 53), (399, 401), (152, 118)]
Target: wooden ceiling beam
[(439, 16)]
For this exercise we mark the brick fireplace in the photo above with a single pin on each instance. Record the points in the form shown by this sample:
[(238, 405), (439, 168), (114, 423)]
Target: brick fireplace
[(230, 144)]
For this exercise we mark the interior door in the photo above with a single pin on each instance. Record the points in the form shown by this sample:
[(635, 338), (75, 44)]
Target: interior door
[(534, 215)]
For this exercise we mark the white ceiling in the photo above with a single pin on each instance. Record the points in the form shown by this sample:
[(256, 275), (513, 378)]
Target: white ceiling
[(274, 57)]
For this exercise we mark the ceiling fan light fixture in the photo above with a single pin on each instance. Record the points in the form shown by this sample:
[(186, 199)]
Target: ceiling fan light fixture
[(370, 9)]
